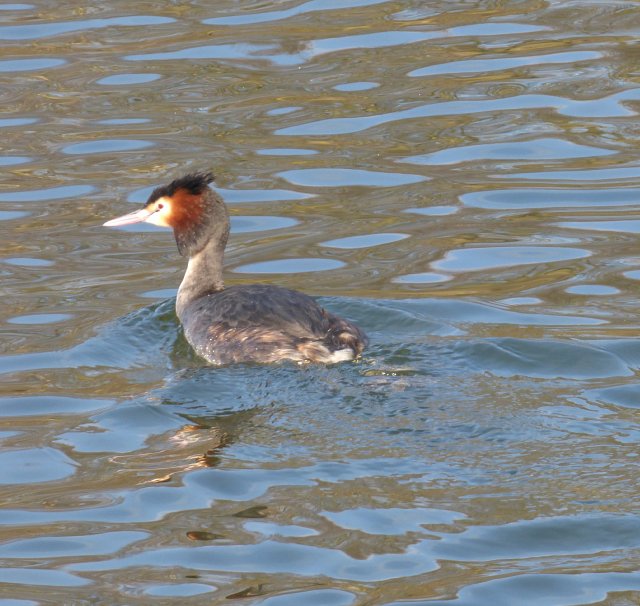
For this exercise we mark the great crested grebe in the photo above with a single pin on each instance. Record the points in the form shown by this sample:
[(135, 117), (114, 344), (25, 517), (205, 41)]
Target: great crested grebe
[(252, 323)]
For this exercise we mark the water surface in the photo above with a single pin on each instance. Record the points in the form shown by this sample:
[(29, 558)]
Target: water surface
[(459, 178)]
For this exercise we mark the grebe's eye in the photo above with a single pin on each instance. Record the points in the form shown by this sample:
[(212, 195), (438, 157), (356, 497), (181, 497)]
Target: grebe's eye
[(160, 206)]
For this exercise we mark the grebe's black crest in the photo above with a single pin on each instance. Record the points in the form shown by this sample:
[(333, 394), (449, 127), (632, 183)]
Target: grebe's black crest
[(193, 183)]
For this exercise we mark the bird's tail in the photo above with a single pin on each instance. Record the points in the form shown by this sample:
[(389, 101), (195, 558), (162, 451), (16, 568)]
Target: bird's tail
[(342, 334)]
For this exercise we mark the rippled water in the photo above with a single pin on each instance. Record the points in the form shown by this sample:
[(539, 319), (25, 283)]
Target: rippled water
[(461, 178)]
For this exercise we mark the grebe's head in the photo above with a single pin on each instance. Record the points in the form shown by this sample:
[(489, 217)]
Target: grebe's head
[(189, 207)]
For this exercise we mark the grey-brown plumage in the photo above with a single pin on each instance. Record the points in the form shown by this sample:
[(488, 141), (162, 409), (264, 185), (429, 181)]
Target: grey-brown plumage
[(263, 323), (254, 323)]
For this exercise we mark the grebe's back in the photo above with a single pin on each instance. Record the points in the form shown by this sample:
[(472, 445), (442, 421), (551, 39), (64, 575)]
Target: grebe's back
[(262, 323)]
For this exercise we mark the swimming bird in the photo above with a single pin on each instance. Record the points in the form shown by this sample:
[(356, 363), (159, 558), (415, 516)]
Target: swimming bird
[(244, 323)]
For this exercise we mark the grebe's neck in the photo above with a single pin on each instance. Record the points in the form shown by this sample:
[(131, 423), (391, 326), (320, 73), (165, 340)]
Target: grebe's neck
[(203, 276), (204, 271)]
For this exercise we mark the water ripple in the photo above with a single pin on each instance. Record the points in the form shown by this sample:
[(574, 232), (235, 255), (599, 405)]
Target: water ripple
[(609, 106), (551, 198), (323, 46), (239, 50), (629, 226), (384, 39), (84, 545), (477, 259), (541, 590), (301, 9), (25, 65), (260, 223), (105, 146), (41, 577), (124, 79), (364, 241), (28, 466), (594, 174), (13, 160), (509, 357), (542, 537), (490, 65), (315, 597), (535, 149), (343, 177), (51, 193), (45, 30), (391, 521), (286, 266), (7, 122)]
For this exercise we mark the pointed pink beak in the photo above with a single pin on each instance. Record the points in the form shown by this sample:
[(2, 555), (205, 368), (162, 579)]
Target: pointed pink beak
[(137, 216)]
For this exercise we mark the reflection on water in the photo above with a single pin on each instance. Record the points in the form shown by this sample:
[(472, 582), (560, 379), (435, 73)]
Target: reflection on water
[(458, 178), (536, 149)]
